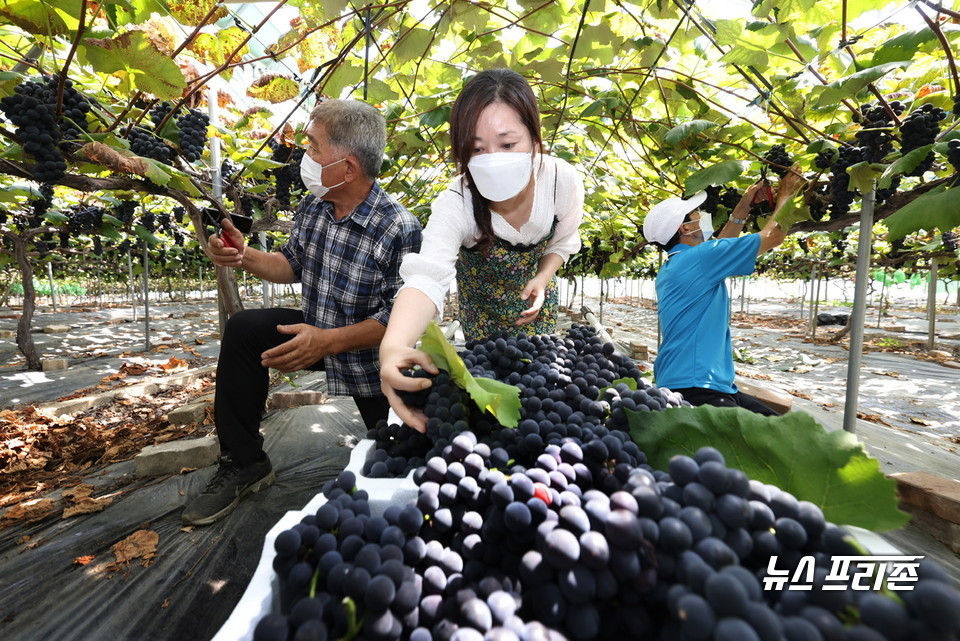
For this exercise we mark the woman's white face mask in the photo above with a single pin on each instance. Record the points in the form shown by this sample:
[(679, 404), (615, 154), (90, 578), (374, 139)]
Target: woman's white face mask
[(500, 176)]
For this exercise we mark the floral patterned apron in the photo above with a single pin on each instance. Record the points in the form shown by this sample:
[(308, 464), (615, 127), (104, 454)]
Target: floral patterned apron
[(489, 285)]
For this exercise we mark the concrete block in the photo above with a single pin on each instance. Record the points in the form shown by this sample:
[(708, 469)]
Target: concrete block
[(188, 414), (56, 329), (894, 328), (931, 493), (774, 400), (287, 400), (171, 457), (954, 336), (7, 333), (951, 364), (940, 353), (52, 364), (944, 531), (639, 351)]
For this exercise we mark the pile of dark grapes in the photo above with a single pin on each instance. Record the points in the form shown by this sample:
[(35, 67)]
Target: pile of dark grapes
[(875, 135), (560, 381), (779, 160), (32, 109), (825, 158), (730, 198), (124, 210), (193, 133), (287, 177), (953, 153), (550, 551), (159, 113), (918, 129), (949, 241)]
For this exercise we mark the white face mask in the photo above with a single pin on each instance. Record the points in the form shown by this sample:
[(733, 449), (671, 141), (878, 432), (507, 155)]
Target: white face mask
[(311, 172), (706, 226), (501, 176)]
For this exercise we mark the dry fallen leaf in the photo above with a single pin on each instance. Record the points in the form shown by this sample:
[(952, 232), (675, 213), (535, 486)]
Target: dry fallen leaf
[(78, 492), (919, 421), (175, 365), (31, 511), (87, 506), (23, 539), (134, 369), (84, 560), (140, 544)]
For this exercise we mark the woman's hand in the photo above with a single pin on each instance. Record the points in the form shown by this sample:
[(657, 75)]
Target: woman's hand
[(789, 185), (536, 292), (393, 360)]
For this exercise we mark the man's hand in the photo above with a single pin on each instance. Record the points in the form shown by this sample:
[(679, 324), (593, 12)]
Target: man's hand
[(220, 252), (393, 360), (308, 345), (536, 291)]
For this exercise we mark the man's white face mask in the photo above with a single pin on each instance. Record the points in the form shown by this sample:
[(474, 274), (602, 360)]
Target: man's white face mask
[(311, 173)]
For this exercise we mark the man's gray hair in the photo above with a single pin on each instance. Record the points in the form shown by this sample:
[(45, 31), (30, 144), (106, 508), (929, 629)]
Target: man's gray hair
[(356, 128)]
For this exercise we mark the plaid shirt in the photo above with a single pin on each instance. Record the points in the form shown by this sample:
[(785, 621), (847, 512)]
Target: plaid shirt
[(350, 271)]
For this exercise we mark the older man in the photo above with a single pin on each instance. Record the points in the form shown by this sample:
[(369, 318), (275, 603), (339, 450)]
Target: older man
[(348, 240), (696, 353)]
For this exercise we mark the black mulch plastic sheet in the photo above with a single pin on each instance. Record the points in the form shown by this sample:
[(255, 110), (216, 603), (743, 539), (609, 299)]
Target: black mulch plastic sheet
[(196, 578)]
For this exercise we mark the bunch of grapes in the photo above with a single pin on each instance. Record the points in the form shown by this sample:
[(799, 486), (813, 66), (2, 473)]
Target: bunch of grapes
[(193, 133), (144, 143), (841, 194), (32, 109), (730, 198), (953, 153), (825, 158), (287, 177), (713, 199), (124, 210), (949, 241), (919, 129), (159, 112), (874, 136), (148, 220), (178, 214), (779, 160), (41, 205), (818, 199), (85, 219)]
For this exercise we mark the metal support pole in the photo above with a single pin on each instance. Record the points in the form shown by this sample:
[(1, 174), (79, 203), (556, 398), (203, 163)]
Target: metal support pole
[(265, 285), (146, 297), (883, 288), (743, 294), (133, 295), (858, 317), (814, 282), (803, 295), (932, 305), (53, 289), (201, 283)]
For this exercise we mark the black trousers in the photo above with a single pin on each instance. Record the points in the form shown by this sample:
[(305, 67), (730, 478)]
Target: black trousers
[(242, 382), (703, 396)]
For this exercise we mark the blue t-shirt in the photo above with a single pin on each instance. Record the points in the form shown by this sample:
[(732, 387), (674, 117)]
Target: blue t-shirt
[(694, 309)]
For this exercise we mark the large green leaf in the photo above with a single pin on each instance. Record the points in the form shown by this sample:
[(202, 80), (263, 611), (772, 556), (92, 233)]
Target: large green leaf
[(690, 128), (500, 399), (937, 209), (902, 47), (718, 174), (792, 212), (42, 17), (851, 85), (863, 175), (793, 452), (902, 165), (412, 45), (133, 53)]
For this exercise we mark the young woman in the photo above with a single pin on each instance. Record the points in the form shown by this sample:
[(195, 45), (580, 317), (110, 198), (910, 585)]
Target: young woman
[(503, 227)]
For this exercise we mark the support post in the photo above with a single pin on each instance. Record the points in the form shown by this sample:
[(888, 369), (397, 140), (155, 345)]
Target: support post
[(858, 317), (814, 286), (932, 305), (146, 297), (53, 289), (133, 295)]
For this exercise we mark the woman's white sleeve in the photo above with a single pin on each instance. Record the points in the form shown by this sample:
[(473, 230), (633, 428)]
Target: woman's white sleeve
[(433, 269), (569, 208)]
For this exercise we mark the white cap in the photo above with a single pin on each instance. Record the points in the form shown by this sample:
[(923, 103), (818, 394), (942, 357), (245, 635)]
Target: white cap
[(665, 218)]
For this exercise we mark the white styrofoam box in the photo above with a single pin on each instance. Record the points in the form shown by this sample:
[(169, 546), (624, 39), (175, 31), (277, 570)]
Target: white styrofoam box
[(383, 492), (261, 596)]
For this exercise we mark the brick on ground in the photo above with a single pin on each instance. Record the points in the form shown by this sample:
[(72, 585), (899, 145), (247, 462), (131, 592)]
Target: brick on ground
[(288, 400), (172, 457), (188, 414), (56, 329), (52, 364), (934, 503)]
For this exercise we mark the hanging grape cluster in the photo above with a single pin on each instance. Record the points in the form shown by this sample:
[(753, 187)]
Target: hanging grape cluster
[(713, 199), (144, 142), (919, 129), (32, 110), (875, 132), (85, 219), (949, 241), (193, 133), (287, 177), (841, 194), (124, 210), (779, 160)]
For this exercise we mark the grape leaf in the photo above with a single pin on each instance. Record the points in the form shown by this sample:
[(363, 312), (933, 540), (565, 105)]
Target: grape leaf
[(863, 174), (792, 451), (851, 85), (904, 164), (792, 212), (938, 208), (718, 174), (500, 399), (902, 47), (685, 130)]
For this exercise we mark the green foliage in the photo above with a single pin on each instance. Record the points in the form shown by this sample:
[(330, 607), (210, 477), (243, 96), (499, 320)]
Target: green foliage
[(792, 451)]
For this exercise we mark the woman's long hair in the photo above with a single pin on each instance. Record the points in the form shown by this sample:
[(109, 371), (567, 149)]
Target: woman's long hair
[(484, 89)]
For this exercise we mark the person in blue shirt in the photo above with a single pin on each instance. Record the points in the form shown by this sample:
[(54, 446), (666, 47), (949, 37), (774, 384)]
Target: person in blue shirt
[(696, 353)]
